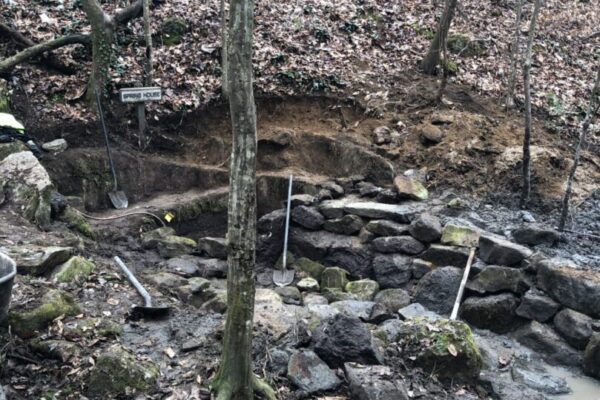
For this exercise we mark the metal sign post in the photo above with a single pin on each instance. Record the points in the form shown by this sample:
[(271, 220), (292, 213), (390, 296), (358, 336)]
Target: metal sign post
[(140, 95)]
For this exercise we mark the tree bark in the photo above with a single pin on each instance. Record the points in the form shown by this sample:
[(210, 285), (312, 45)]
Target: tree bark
[(514, 51), (148, 39), (224, 44), (432, 59), (526, 191), (9, 63), (589, 118), (235, 379)]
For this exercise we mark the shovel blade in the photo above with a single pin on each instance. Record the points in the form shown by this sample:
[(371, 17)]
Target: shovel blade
[(283, 278), (139, 312), (118, 199)]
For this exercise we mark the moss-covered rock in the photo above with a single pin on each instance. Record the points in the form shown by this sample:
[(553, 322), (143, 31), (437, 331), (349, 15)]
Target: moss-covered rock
[(463, 45), (364, 289), (334, 278), (151, 238), (290, 260), (464, 236), (38, 260), (309, 266), (336, 294), (61, 350), (442, 347), (7, 149), (218, 303), (76, 221), (174, 246), (411, 188), (172, 31), (77, 269), (54, 304), (120, 373), (92, 327), (308, 284)]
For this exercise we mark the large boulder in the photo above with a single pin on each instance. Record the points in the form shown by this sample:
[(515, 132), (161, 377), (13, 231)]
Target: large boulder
[(398, 244), (374, 382), (440, 255), (443, 347), (77, 269), (537, 306), (151, 238), (310, 374), (410, 188), (392, 270), (345, 338), (213, 247), (312, 268), (404, 213), (117, 373), (38, 260), (426, 228), (498, 251), (575, 288), (496, 313), (574, 326), (308, 217), (437, 289), (186, 265), (591, 357), (534, 234), (497, 279), (545, 340), (393, 299), (29, 186), (353, 256), (384, 227), (174, 246), (346, 225)]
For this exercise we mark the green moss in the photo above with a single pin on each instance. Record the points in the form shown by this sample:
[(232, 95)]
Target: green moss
[(118, 372), (192, 210), (451, 67), (309, 266), (76, 221), (364, 289), (172, 31), (174, 246), (7, 149), (424, 31), (463, 45), (334, 278), (77, 269), (456, 235), (54, 304)]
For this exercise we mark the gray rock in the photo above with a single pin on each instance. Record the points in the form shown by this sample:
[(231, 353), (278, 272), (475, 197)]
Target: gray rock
[(446, 255), (391, 270), (574, 326), (388, 196), (506, 388), (151, 238), (353, 256), (389, 331), (575, 288), (308, 284), (383, 227), (404, 213), (38, 260), (347, 225), (174, 246), (498, 251), (591, 357), (421, 267), (537, 306), (426, 228), (278, 362), (289, 295), (417, 310), (212, 268), (314, 299), (398, 244), (393, 299), (535, 234), (382, 135), (315, 244), (410, 188), (213, 247), (367, 189), (363, 289), (437, 289), (495, 279), (56, 146), (307, 217), (546, 341), (360, 309), (496, 313), (365, 236), (302, 200), (334, 208), (538, 379), (379, 314), (344, 338), (272, 222), (336, 190), (167, 280), (310, 374), (186, 266), (374, 382)]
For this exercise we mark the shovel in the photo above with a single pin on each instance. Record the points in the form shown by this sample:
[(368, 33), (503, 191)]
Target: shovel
[(285, 276), (117, 197), (147, 310)]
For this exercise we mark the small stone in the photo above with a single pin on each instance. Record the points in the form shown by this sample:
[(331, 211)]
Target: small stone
[(410, 188), (77, 269), (355, 308), (336, 190), (441, 255), (574, 326), (191, 345), (398, 244), (384, 227), (61, 350), (302, 200), (335, 294), (426, 228), (465, 236), (374, 382), (535, 234), (55, 146), (58, 203), (309, 298), (167, 281), (496, 313), (334, 278), (364, 289), (393, 299), (307, 217), (388, 196), (365, 236), (437, 289), (308, 285), (537, 306), (212, 268), (421, 267), (186, 266), (382, 135), (213, 247), (289, 295), (391, 271), (417, 310), (347, 225), (498, 251), (313, 268), (430, 134), (367, 189), (310, 374)]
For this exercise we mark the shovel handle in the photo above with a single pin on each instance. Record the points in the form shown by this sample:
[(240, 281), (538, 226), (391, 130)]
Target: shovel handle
[(131, 278), (287, 223), (110, 160)]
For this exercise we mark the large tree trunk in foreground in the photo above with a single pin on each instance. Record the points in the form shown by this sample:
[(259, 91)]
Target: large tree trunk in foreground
[(148, 39), (432, 59), (235, 379), (514, 51), (589, 118), (224, 42), (526, 190)]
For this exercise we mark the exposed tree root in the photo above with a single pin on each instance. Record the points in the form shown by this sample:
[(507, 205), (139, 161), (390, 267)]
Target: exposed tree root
[(223, 389)]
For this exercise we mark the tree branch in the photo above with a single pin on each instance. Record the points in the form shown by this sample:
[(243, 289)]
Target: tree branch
[(9, 63), (125, 15)]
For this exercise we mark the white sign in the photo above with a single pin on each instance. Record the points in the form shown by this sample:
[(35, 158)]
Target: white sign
[(136, 95)]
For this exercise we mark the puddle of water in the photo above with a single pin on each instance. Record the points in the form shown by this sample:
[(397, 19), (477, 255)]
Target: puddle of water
[(583, 387)]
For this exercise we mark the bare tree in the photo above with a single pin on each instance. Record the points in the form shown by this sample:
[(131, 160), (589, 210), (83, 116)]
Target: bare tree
[(235, 379), (514, 51), (432, 59), (526, 191), (589, 118), (148, 39)]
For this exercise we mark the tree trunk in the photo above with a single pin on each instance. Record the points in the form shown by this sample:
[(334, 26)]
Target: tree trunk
[(432, 59), (589, 118), (235, 379), (224, 43), (102, 41), (527, 84), (148, 39), (514, 51)]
